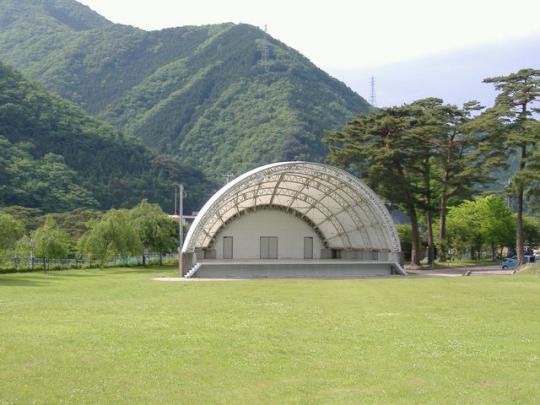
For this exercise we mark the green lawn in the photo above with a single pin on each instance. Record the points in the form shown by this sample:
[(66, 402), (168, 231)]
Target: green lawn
[(117, 336), (529, 269)]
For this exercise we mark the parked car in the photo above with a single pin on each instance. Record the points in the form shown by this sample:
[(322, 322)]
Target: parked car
[(509, 263)]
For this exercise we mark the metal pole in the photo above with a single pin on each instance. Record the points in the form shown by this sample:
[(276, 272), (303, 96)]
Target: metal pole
[(175, 201), (31, 253), (180, 225)]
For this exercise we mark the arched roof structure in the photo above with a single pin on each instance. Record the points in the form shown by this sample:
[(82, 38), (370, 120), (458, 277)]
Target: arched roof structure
[(345, 212)]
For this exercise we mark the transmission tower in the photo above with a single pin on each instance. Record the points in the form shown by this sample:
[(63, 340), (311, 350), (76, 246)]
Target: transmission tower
[(228, 177), (265, 48), (372, 99)]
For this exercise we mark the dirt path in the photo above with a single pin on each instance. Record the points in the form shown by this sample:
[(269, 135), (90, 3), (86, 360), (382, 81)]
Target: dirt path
[(461, 271), (447, 272)]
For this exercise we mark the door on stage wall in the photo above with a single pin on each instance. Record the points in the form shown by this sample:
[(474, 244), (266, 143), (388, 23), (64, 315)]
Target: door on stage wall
[(308, 247), (269, 247), (227, 247)]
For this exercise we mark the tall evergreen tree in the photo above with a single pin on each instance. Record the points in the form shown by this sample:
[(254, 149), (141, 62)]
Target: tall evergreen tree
[(513, 116), (383, 147), (462, 157), (422, 156)]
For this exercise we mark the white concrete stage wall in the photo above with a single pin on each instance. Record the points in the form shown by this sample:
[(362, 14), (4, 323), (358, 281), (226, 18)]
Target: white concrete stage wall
[(247, 230)]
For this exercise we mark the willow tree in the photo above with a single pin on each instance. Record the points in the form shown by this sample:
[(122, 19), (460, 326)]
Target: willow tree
[(50, 242), (157, 232), (113, 234), (513, 115), (11, 229)]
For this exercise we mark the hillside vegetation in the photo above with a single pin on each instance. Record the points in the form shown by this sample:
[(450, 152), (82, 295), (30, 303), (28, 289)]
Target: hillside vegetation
[(202, 93), (56, 158)]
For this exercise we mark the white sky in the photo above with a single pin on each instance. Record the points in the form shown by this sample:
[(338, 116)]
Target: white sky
[(347, 34)]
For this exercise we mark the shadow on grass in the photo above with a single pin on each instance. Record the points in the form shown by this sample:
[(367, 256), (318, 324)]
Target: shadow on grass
[(42, 278), (96, 272), (139, 270), (72, 273), (6, 281)]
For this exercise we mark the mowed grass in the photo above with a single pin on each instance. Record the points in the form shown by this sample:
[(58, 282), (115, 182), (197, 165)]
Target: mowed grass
[(529, 269), (116, 336)]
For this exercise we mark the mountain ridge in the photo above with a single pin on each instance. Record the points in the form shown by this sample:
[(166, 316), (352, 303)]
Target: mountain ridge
[(70, 13), (203, 93)]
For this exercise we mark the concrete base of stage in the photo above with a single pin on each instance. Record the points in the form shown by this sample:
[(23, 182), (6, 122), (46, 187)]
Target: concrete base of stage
[(296, 269)]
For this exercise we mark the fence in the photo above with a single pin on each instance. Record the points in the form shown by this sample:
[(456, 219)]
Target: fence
[(10, 263)]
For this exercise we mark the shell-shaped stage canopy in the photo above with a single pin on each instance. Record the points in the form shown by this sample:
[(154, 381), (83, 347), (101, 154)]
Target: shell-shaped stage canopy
[(342, 210)]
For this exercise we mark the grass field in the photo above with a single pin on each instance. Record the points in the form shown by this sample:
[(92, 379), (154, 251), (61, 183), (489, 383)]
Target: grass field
[(117, 336), (529, 269)]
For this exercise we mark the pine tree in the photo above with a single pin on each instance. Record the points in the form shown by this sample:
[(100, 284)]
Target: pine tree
[(513, 116), (421, 156), (383, 147)]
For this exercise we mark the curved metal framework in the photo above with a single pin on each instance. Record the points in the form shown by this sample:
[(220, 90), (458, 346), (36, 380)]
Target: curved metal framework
[(340, 208)]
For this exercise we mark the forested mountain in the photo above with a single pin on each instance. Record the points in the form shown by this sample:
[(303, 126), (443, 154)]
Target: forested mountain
[(55, 157), (206, 94)]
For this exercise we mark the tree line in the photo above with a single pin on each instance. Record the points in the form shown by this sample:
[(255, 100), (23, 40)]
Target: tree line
[(138, 231), (428, 156)]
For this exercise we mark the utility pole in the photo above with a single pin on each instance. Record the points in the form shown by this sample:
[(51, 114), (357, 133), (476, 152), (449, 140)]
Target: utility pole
[(175, 201), (508, 199), (180, 225)]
